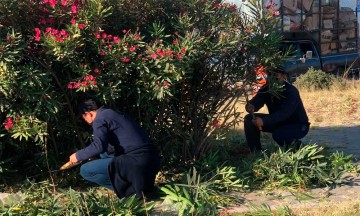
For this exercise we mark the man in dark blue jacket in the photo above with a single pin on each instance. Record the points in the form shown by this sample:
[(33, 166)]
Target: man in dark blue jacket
[(133, 167), (287, 119)]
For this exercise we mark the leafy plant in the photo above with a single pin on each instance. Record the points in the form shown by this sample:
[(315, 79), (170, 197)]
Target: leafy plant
[(200, 195), (168, 64), (316, 79), (307, 166), (40, 199)]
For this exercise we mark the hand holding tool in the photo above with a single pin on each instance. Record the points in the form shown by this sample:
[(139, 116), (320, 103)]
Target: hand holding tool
[(250, 108)]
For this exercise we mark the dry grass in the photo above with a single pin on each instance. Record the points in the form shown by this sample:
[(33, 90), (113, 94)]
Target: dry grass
[(336, 106), (330, 209)]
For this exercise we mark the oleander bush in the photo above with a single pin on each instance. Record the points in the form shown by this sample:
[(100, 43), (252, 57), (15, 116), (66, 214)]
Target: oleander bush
[(170, 65)]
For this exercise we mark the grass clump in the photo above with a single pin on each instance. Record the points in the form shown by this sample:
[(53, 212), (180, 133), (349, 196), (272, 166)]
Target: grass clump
[(309, 166), (317, 79)]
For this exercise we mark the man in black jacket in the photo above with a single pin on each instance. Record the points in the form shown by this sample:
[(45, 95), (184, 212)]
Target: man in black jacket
[(133, 168), (287, 119)]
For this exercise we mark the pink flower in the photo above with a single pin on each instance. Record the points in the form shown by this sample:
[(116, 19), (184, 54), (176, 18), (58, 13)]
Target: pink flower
[(179, 56), (116, 39), (83, 83), (54, 31), (63, 2), (37, 38), (97, 35), (76, 85), (124, 31), (42, 21), (276, 13), (63, 33), (89, 77), (102, 53), (166, 84), (170, 53), (37, 31), (81, 26), (103, 35), (110, 37), (132, 49), (126, 60), (160, 52), (175, 42), (52, 3), (73, 21), (9, 123), (183, 50), (70, 85), (233, 8), (216, 5), (154, 56), (216, 124), (96, 70), (73, 9)]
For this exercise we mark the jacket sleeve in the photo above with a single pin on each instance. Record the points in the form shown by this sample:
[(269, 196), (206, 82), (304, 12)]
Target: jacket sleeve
[(288, 106), (100, 143), (258, 101)]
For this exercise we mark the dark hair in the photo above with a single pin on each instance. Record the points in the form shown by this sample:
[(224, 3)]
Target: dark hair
[(86, 106)]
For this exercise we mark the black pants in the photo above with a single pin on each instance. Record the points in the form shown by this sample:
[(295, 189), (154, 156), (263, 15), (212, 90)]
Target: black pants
[(135, 172), (283, 134)]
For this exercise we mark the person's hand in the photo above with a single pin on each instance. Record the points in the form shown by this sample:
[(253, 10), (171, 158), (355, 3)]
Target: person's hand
[(249, 108), (258, 122), (73, 159)]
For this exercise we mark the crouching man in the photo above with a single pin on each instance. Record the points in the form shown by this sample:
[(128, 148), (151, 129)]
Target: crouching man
[(133, 167), (287, 120)]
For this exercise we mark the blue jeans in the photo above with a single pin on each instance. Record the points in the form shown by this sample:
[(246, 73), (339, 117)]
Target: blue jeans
[(96, 171)]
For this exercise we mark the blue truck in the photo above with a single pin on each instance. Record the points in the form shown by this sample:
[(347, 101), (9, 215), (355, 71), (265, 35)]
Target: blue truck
[(323, 34)]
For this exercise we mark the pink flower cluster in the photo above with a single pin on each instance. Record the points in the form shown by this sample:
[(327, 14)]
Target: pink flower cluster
[(53, 3), (9, 123), (88, 80), (59, 36), (37, 34), (167, 52), (271, 8)]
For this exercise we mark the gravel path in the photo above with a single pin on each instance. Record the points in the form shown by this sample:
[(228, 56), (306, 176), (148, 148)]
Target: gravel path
[(344, 138)]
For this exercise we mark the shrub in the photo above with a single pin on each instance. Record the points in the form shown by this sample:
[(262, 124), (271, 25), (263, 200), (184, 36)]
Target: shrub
[(162, 62), (316, 79)]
